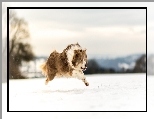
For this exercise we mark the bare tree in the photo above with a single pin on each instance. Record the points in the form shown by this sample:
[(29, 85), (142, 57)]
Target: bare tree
[(19, 48)]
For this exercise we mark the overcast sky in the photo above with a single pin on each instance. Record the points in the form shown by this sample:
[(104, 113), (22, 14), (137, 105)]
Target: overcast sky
[(104, 32)]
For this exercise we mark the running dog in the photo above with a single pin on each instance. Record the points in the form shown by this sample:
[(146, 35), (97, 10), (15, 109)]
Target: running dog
[(70, 63)]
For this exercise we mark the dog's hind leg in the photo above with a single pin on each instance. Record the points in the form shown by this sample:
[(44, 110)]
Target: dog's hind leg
[(49, 78)]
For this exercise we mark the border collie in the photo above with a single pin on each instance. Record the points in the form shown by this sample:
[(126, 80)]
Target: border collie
[(70, 63)]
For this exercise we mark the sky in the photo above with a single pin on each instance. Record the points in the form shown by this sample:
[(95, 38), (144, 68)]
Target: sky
[(103, 32)]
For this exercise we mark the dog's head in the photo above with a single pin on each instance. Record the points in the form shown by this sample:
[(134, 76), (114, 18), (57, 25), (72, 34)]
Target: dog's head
[(77, 56), (80, 59)]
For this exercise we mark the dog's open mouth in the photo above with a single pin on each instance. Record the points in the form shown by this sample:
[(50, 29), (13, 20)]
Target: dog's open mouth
[(83, 69)]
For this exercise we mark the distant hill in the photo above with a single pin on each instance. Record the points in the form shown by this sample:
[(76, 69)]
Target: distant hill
[(119, 63)]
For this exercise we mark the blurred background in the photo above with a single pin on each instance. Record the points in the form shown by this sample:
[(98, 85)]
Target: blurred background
[(115, 39)]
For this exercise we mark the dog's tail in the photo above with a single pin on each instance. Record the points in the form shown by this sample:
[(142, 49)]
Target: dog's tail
[(44, 68)]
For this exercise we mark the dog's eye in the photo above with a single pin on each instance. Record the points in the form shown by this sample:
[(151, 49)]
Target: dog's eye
[(80, 50)]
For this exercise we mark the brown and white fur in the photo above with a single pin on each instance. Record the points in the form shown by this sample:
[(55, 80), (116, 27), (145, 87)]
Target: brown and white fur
[(70, 63)]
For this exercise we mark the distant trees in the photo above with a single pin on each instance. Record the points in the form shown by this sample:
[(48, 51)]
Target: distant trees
[(140, 66), (19, 48), (94, 68)]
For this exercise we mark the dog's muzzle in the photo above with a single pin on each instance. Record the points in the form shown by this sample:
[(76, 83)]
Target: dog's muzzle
[(83, 69)]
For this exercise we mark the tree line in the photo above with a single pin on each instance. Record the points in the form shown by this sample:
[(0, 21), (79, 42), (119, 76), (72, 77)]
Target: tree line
[(94, 68)]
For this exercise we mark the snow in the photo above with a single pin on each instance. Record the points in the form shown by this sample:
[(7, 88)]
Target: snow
[(118, 92), (126, 66)]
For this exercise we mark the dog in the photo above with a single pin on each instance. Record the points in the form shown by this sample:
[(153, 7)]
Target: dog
[(69, 63)]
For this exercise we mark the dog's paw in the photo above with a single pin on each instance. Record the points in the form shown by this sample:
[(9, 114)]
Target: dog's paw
[(87, 84), (46, 82)]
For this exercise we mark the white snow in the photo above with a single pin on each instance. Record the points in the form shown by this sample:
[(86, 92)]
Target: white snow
[(118, 92), (105, 93)]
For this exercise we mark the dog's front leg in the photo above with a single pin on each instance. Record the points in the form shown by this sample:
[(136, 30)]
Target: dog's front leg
[(80, 75)]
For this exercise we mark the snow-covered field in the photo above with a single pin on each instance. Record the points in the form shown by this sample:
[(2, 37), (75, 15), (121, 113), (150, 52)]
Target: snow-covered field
[(105, 93)]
